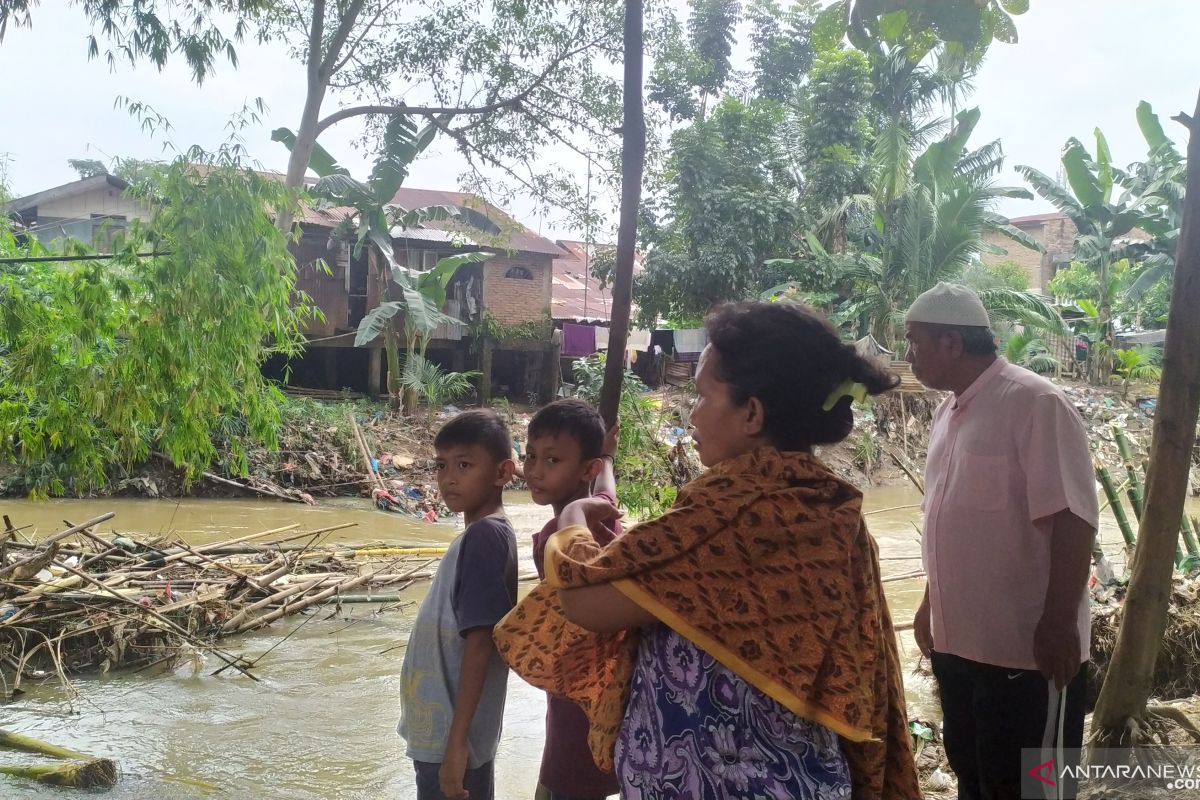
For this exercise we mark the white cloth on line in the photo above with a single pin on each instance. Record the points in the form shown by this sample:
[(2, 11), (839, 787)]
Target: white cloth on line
[(601, 337), (638, 340), (691, 341)]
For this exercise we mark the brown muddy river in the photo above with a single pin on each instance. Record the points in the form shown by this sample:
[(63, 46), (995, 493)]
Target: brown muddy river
[(321, 724)]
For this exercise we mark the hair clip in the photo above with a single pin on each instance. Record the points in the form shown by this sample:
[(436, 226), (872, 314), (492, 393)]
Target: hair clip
[(847, 388)]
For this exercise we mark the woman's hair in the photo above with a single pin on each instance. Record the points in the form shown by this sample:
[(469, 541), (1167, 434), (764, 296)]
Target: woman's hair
[(790, 357)]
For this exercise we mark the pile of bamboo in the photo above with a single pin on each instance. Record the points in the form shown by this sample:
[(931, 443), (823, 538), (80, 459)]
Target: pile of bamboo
[(78, 601)]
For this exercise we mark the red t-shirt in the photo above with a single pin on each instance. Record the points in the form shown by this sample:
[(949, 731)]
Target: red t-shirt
[(567, 764)]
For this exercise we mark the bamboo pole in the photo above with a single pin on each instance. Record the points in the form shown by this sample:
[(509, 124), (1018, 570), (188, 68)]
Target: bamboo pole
[(1135, 483), (28, 744), (98, 774), (233, 624), (1114, 502), (313, 600), (365, 453)]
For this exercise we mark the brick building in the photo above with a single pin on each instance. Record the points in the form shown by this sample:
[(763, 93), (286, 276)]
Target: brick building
[(1054, 232)]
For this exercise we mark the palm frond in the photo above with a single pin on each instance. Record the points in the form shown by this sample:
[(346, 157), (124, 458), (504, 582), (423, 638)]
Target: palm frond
[(1028, 309), (1057, 194)]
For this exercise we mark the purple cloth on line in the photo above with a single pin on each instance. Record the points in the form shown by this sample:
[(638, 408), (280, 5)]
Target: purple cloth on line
[(578, 340)]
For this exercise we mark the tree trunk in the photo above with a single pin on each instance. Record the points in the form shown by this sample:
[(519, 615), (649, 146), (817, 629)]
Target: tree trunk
[(317, 82), (1128, 683), (633, 155), (391, 338)]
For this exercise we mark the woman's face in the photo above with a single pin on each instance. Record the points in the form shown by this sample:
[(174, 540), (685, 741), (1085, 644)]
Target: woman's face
[(721, 428)]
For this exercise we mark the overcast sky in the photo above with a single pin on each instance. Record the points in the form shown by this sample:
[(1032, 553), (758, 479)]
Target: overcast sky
[(1080, 64)]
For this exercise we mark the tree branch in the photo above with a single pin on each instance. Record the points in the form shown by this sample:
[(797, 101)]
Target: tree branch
[(345, 28), (432, 111), (315, 35)]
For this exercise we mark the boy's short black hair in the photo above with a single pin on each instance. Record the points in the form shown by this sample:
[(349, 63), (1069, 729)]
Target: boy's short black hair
[(576, 419), (480, 426)]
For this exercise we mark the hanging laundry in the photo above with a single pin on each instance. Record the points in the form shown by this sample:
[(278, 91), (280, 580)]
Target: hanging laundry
[(689, 343), (638, 340), (578, 340), (601, 337)]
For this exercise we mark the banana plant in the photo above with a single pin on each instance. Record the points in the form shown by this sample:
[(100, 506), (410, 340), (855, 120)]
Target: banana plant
[(1100, 222), (405, 294), (1157, 187)]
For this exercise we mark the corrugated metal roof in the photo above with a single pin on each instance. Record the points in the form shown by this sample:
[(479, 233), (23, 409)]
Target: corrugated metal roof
[(570, 301), (516, 235)]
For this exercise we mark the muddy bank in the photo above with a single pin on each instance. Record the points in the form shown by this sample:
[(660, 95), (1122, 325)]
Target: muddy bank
[(319, 455)]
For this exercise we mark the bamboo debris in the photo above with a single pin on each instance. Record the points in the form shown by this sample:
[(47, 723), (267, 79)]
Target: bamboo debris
[(117, 602)]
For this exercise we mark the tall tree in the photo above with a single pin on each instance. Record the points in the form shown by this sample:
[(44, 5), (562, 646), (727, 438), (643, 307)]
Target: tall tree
[(504, 83), (711, 25), (730, 205), (1121, 710), (837, 135), (781, 46)]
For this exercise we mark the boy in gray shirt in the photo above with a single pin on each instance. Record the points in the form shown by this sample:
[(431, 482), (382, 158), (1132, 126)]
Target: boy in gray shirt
[(453, 682)]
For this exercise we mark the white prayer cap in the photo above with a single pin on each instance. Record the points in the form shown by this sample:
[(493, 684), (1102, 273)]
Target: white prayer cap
[(949, 304)]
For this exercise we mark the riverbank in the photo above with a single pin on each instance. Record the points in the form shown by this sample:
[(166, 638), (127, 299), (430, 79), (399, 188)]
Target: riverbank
[(319, 455)]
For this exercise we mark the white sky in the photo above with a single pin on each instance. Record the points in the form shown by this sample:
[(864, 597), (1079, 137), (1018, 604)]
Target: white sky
[(1080, 64)]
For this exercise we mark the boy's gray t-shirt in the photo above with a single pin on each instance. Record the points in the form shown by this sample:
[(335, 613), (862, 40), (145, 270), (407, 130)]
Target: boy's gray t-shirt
[(475, 586)]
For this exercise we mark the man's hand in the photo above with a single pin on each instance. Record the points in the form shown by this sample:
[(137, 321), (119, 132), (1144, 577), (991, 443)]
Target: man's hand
[(453, 773), (611, 439), (923, 627), (1056, 649)]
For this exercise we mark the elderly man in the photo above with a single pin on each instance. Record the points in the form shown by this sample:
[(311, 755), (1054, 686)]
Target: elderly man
[(1010, 519)]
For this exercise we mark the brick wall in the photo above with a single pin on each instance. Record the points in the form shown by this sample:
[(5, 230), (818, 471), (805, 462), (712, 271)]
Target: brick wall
[(513, 301), (1030, 260), (1057, 237)]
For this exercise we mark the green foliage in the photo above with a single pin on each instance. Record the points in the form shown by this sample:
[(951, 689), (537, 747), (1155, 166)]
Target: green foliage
[(837, 134), (87, 167), (962, 28), (711, 27), (1141, 363), (154, 31), (866, 451), (909, 235), (105, 363), (1024, 347), (532, 331), (731, 195), (646, 485), (433, 384), (1001, 275), (781, 43)]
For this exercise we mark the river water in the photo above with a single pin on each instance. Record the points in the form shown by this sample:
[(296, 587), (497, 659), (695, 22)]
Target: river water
[(321, 723)]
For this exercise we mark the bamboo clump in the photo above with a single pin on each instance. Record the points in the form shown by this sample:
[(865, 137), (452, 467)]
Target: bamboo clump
[(97, 603)]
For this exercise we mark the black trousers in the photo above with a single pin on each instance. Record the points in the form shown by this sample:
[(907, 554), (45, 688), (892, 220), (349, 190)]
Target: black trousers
[(990, 713), (479, 782)]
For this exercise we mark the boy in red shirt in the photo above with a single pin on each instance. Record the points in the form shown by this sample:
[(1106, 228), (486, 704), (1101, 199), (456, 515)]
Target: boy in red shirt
[(569, 456)]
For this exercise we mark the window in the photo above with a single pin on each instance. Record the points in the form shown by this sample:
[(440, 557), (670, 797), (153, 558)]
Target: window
[(105, 228), (422, 260), (519, 274)]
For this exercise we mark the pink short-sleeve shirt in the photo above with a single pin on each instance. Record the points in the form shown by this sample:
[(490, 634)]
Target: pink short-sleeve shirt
[(1005, 455)]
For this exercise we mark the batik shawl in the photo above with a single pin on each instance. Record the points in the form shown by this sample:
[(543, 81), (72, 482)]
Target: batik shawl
[(764, 562)]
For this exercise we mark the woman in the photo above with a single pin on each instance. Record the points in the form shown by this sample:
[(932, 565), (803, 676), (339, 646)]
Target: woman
[(739, 646)]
